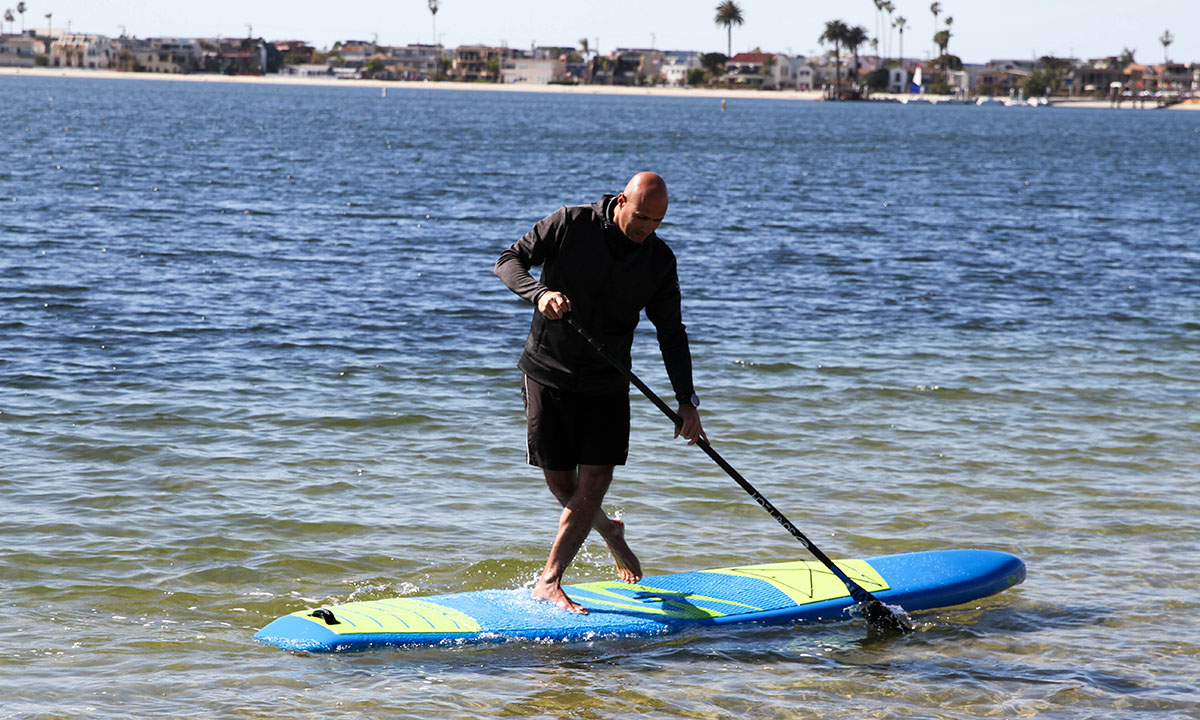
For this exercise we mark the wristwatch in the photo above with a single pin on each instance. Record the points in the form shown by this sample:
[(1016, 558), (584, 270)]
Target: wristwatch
[(694, 400)]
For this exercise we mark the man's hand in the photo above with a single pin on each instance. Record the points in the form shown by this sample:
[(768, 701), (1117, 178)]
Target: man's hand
[(553, 304), (691, 428)]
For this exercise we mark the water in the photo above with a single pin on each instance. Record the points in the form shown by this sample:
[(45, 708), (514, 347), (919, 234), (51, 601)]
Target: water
[(253, 359)]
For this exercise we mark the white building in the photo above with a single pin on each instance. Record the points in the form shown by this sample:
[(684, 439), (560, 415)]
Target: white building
[(19, 50), (677, 66), (531, 71), (768, 71), (94, 52), (898, 80), (307, 70)]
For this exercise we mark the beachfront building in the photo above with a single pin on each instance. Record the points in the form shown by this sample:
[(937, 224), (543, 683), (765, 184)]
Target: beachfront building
[(750, 70), (307, 70), (159, 55), (899, 80), (825, 70), (415, 62), (677, 65), (295, 52), (966, 81), (531, 71), (1004, 77), (475, 63), (769, 71), (248, 56), (77, 50), (356, 53), (635, 67), (1174, 76), (19, 50)]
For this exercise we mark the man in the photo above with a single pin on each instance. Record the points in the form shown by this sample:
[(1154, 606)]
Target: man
[(604, 264)]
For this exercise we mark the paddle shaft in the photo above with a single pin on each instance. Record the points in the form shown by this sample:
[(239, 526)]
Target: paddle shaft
[(860, 594)]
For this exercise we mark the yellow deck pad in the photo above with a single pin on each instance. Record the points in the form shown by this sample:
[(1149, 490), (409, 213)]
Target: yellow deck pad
[(654, 601), (806, 581), (397, 615)]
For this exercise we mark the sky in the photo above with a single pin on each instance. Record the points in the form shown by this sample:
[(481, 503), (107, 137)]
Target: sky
[(982, 30)]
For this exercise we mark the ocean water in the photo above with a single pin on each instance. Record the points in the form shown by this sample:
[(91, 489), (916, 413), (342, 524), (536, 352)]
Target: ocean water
[(253, 359)]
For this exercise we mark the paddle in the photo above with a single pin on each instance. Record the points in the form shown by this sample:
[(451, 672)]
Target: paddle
[(878, 615)]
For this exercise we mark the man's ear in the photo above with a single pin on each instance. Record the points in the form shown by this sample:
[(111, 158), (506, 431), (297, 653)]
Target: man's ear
[(621, 198)]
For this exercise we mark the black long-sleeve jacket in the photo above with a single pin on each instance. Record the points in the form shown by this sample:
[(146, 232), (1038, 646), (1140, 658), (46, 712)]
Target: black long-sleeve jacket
[(609, 280)]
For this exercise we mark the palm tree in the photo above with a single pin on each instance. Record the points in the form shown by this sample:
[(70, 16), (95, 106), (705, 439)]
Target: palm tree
[(835, 32), (729, 14), (855, 37), (21, 12), (878, 22), (936, 9), (583, 47), (50, 23), (942, 38), (900, 24), (8, 18), (437, 53), (1166, 39), (889, 7)]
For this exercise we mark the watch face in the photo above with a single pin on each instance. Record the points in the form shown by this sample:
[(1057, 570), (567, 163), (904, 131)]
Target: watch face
[(695, 400)]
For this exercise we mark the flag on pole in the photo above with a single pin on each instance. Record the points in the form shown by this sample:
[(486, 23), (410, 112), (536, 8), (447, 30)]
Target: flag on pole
[(916, 81)]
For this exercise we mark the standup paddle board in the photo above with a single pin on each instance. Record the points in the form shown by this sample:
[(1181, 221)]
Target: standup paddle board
[(777, 592)]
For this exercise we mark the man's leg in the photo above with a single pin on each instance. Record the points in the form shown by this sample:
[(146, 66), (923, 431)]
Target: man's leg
[(578, 515), (562, 484)]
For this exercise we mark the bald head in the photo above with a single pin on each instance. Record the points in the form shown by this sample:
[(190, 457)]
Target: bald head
[(642, 206)]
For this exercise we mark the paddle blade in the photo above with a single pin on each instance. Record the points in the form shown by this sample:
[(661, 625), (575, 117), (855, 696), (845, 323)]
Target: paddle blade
[(883, 619)]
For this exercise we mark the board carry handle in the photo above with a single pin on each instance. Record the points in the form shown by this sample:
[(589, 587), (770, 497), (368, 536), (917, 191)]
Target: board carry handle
[(878, 615)]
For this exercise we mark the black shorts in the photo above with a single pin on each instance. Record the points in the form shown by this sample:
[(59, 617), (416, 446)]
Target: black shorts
[(566, 429)]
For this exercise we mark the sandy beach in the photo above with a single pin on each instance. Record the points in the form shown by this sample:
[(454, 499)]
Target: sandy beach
[(716, 93)]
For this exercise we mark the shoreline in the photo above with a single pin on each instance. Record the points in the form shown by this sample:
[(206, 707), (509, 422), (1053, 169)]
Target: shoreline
[(712, 93)]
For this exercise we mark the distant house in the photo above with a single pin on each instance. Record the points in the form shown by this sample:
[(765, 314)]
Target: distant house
[(637, 67), (94, 52), (307, 70), (19, 50), (356, 53), (678, 65), (825, 70), (1004, 77), (159, 55), (473, 63), (1175, 76), (415, 62), (898, 80), (769, 71), (248, 56), (802, 72), (749, 69), (531, 71), (295, 52), (1097, 75)]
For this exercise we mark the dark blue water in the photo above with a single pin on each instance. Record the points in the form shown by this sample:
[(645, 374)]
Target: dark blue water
[(253, 358)]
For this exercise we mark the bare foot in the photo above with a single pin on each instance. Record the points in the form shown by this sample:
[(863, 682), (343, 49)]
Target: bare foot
[(554, 594), (628, 567)]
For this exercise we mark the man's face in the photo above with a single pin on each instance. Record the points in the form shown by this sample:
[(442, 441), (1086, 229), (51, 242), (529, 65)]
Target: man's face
[(639, 215)]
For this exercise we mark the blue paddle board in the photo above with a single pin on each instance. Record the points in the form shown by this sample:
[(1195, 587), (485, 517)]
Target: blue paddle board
[(774, 593)]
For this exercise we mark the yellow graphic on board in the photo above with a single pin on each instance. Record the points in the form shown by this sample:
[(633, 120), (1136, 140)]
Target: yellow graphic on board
[(655, 601), (397, 615), (807, 581)]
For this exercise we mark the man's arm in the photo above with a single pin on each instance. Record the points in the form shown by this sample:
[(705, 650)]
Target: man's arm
[(665, 310), (535, 248)]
